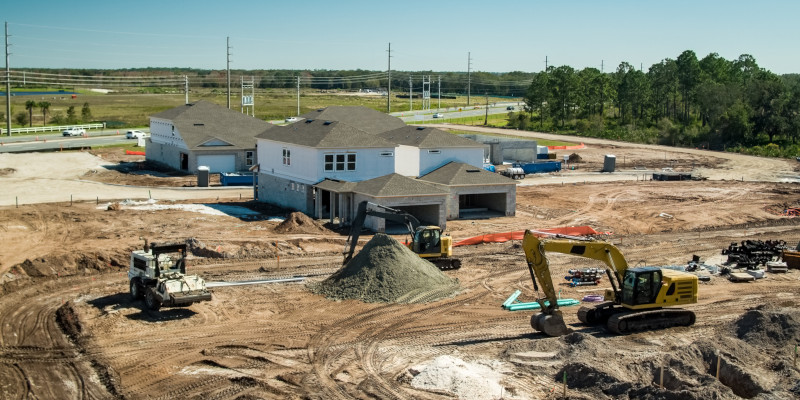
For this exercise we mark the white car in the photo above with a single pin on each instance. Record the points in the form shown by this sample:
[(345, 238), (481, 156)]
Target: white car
[(292, 119), (438, 115), (74, 132), (134, 134)]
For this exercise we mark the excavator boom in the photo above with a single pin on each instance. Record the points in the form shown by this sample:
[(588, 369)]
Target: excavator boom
[(637, 301)]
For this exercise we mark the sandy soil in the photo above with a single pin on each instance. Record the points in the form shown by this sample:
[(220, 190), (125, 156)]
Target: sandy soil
[(68, 328)]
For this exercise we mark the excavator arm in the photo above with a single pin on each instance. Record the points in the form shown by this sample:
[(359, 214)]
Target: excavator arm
[(604, 252), (550, 320), (366, 208)]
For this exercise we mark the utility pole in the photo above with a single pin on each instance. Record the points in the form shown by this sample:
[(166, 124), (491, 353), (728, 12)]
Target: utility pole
[(228, 68), (440, 93), (8, 88), (186, 87), (486, 119), (545, 63), (298, 95), (426, 92), (469, 78), (410, 94), (389, 84)]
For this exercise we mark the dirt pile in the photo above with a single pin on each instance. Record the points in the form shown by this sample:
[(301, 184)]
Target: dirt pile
[(298, 222), (575, 158), (386, 271), (767, 326), (59, 265)]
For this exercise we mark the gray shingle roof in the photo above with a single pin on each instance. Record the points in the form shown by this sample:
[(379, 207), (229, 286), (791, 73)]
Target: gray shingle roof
[(427, 138), (336, 186), (393, 185), (460, 174), (203, 121), (324, 134), (367, 119)]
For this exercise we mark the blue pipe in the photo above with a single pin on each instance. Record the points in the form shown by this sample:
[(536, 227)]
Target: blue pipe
[(511, 299), (535, 306)]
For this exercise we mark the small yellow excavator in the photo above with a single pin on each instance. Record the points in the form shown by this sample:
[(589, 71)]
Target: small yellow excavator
[(427, 242), (638, 298)]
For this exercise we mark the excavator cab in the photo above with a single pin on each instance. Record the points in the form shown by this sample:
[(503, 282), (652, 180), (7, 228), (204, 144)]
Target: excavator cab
[(428, 240), (641, 286)]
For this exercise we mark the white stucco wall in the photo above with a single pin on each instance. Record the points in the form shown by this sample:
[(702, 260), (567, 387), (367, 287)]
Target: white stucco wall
[(163, 132), (429, 161), (308, 164)]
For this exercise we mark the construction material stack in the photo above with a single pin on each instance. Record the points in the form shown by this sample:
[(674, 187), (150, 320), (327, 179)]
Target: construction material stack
[(584, 277)]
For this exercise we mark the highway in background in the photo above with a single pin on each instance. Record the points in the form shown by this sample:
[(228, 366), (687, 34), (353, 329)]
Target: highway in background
[(105, 137), (56, 141)]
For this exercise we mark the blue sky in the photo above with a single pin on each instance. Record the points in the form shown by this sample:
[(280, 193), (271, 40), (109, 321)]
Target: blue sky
[(433, 35)]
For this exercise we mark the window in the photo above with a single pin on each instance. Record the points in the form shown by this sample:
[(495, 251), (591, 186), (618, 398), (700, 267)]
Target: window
[(340, 162), (287, 157), (248, 158)]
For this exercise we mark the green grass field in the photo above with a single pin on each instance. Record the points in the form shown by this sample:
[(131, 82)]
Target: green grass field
[(130, 108)]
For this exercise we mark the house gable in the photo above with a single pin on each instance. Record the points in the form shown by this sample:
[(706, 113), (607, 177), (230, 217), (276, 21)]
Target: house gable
[(215, 142)]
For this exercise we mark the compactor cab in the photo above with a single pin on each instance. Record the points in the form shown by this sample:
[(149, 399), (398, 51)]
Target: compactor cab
[(157, 274)]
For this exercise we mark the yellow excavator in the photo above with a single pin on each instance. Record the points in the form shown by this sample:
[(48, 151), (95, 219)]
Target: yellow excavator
[(638, 299), (427, 242)]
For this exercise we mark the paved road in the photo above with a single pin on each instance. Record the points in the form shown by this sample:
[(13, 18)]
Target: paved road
[(56, 141), (455, 112)]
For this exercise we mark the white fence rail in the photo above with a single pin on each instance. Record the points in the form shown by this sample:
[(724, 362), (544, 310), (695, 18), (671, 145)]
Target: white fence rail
[(61, 128)]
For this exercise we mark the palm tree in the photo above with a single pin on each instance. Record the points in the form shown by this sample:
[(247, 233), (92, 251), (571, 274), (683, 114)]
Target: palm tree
[(45, 106), (30, 105)]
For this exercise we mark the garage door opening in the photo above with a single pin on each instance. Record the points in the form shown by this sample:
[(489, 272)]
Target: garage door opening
[(483, 205)]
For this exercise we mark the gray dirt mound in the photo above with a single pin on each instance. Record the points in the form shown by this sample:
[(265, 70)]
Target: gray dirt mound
[(766, 326), (575, 158), (298, 222), (386, 271)]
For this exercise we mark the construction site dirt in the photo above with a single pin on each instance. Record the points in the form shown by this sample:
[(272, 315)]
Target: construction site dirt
[(70, 329)]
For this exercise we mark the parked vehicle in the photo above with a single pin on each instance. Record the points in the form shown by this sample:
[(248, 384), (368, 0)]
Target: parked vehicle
[(438, 115), (74, 132), (292, 119), (134, 134)]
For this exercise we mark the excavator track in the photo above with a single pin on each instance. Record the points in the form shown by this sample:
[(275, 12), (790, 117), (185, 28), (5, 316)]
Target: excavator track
[(445, 264), (596, 314), (635, 321)]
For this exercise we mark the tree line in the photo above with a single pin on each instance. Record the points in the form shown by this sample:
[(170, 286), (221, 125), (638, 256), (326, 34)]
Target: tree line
[(709, 102), (26, 118)]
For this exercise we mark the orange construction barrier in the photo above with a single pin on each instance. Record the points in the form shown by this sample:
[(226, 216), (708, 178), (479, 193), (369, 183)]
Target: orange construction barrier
[(517, 235), (580, 146), (135, 153)]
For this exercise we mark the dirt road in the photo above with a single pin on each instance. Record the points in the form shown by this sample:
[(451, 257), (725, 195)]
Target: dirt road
[(68, 328)]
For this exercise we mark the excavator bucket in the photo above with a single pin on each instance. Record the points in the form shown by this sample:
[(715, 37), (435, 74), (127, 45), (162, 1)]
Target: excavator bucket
[(550, 324)]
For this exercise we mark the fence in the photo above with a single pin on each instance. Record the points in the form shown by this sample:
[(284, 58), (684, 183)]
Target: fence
[(60, 128)]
